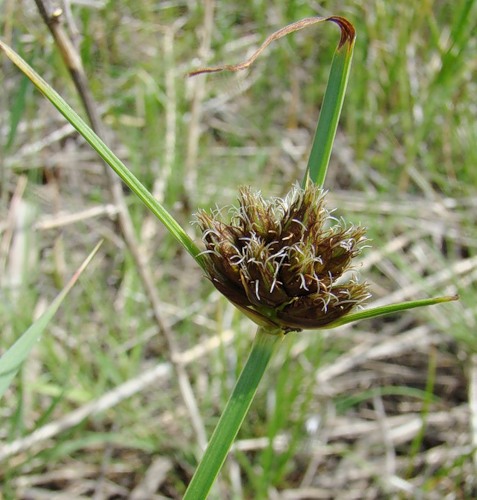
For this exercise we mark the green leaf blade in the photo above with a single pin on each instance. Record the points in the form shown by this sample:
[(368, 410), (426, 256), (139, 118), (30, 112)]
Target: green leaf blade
[(375, 312), (106, 154), (332, 104), (13, 358)]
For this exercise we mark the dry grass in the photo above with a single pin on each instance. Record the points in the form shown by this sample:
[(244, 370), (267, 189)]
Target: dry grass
[(385, 409)]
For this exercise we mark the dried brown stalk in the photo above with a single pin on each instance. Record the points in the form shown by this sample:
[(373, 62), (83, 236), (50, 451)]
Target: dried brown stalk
[(53, 19)]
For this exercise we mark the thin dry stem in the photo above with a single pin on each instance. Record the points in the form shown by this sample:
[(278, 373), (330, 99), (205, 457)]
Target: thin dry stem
[(6, 240), (52, 18), (65, 219)]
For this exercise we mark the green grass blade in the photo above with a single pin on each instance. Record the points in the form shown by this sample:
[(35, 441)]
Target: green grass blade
[(106, 154), (16, 110), (233, 415), (11, 361), (334, 94), (332, 104), (390, 309)]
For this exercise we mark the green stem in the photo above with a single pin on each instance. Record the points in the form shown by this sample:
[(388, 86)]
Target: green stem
[(233, 414), (330, 114)]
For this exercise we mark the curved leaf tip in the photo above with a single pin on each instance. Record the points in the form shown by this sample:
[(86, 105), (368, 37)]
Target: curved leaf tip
[(348, 33)]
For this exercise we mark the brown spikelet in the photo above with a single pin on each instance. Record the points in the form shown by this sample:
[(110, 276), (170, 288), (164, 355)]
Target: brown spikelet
[(282, 261)]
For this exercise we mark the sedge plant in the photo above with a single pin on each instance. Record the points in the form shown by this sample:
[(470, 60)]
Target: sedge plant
[(286, 263)]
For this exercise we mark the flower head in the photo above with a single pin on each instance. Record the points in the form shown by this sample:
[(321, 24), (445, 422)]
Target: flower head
[(282, 261)]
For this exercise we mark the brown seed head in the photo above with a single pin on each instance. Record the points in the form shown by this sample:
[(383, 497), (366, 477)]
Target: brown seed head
[(282, 261)]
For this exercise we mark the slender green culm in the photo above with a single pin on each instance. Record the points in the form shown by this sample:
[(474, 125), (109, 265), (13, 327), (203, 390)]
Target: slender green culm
[(233, 414)]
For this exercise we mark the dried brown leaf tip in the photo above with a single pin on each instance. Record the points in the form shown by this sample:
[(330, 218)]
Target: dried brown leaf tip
[(284, 262)]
